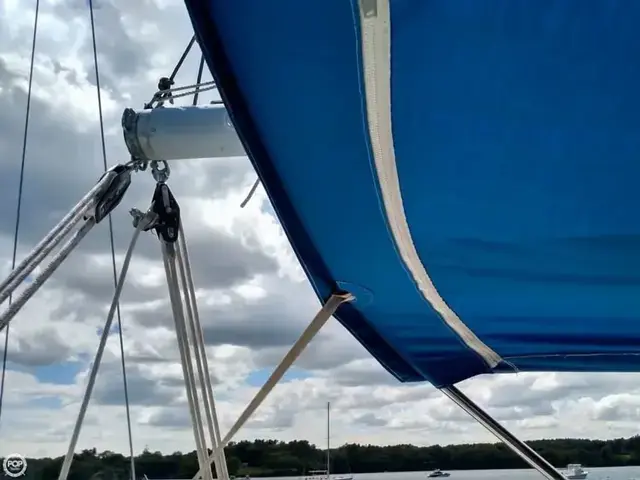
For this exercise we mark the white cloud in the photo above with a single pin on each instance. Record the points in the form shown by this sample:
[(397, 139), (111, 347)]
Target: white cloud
[(253, 297)]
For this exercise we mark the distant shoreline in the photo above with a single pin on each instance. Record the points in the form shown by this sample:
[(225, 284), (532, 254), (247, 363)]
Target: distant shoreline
[(272, 458)]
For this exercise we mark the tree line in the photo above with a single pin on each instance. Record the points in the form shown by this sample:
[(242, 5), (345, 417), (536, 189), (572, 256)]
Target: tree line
[(271, 458)]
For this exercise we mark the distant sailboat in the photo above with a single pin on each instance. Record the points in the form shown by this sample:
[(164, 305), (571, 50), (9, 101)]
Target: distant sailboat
[(326, 474)]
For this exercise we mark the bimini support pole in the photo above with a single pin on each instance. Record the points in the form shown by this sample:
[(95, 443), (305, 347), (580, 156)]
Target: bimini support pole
[(178, 133), (309, 333), (518, 446)]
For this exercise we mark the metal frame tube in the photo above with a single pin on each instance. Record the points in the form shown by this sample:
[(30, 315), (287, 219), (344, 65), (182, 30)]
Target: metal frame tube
[(527, 453)]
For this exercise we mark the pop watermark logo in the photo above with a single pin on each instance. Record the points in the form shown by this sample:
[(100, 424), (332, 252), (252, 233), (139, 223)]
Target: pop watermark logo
[(14, 465)]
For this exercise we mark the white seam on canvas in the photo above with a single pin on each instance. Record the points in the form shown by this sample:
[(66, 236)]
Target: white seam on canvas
[(375, 21)]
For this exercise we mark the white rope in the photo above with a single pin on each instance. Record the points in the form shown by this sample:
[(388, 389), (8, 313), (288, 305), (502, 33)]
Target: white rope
[(169, 258), (210, 406), (168, 95), (66, 464), (193, 334), (192, 92), (49, 242), (309, 333), (193, 342), (51, 267), (194, 86)]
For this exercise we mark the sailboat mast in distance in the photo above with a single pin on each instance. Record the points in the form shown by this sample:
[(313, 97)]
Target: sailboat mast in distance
[(328, 440)]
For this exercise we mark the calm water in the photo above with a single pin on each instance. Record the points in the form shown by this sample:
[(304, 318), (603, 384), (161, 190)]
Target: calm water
[(617, 473)]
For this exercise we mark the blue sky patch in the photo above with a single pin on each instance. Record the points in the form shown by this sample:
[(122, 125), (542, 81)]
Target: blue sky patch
[(257, 378)]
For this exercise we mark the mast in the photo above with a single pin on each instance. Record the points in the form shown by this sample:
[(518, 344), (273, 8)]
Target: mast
[(328, 441)]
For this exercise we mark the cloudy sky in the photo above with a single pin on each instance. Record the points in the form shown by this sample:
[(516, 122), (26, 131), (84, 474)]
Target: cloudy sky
[(254, 299)]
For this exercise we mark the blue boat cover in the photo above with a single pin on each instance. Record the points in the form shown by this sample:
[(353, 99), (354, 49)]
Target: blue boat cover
[(516, 127)]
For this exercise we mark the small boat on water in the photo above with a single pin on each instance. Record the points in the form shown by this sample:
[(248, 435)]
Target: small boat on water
[(438, 474), (322, 475), (575, 471)]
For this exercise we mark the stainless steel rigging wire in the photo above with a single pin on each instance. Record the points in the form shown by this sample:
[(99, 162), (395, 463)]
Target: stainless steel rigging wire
[(198, 80), (172, 77), (66, 464), (111, 241), (19, 203)]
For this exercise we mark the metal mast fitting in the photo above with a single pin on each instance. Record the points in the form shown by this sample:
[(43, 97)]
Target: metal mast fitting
[(179, 133)]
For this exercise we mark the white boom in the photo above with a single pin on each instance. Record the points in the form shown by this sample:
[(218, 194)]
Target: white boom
[(178, 133)]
